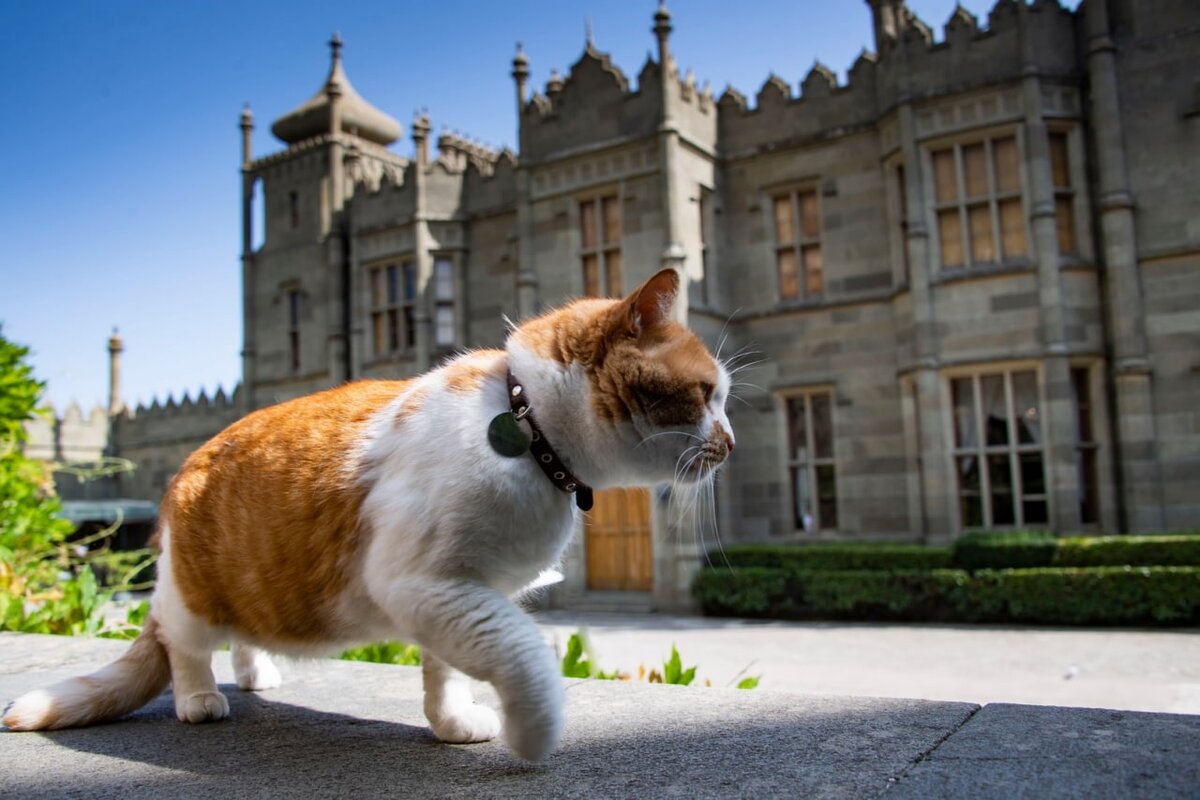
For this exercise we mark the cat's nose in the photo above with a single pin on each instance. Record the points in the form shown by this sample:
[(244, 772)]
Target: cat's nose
[(728, 440)]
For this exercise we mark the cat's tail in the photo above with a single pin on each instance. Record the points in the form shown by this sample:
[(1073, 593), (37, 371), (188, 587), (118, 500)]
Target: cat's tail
[(123, 686)]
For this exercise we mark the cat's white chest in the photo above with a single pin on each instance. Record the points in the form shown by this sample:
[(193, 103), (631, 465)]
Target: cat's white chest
[(443, 504)]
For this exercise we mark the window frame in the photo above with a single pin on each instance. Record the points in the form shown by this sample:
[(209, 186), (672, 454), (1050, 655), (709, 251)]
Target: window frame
[(811, 465), (800, 242), (1012, 449), (606, 253), (396, 318), (443, 304), (962, 203)]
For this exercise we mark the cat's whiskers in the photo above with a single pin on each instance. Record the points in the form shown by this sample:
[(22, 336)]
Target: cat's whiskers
[(668, 433)]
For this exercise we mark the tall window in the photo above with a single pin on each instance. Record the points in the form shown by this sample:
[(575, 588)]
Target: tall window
[(293, 301), (1064, 195), (443, 293), (1086, 447), (977, 193), (810, 461), (393, 298), (600, 234), (999, 451), (294, 208), (798, 245)]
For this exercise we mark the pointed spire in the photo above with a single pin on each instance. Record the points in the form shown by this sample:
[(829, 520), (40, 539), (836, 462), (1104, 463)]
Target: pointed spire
[(662, 31), (335, 48), (589, 38), (318, 116), (520, 74)]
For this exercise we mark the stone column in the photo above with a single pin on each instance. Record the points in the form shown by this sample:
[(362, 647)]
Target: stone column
[(115, 347), (1139, 473), (421, 313), (673, 254), (248, 282), (1058, 416), (527, 282), (938, 484)]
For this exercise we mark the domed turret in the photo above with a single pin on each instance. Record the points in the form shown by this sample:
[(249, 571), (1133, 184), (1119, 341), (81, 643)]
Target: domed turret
[(315, 117)]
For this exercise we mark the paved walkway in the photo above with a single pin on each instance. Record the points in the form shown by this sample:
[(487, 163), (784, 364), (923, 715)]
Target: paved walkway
[(339, 729), (1122, 669)]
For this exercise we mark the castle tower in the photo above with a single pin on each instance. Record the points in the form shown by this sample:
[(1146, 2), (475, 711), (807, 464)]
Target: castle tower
[(297, 283)]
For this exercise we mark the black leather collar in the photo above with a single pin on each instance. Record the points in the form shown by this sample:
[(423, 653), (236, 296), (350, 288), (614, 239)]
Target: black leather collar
[(542, 452)]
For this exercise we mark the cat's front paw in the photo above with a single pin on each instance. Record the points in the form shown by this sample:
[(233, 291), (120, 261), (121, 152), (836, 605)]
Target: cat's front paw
[(470, 723), (533, 733), (202, 707)]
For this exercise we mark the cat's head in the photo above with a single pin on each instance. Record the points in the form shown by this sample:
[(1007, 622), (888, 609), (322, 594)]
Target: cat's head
[(649, 398)]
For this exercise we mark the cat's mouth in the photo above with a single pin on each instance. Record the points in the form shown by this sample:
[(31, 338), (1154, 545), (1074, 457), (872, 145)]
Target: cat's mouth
[(711, 456)]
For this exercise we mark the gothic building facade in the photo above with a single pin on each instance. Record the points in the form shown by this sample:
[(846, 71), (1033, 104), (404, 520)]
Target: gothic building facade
[(969, 276)]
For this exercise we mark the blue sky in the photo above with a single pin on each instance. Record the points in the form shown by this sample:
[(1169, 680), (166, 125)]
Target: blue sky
[(120, 196)]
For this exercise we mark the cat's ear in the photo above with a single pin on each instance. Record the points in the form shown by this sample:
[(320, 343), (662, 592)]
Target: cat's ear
[(650, 304)]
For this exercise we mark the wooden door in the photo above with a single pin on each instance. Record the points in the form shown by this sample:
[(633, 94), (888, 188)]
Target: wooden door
[(620, 555)]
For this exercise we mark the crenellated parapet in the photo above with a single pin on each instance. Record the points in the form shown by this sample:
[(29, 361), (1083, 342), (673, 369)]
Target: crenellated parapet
[(912, 64), (494, 189), (465, 178), (186, 419), (822, 108), (971, 55), (593, 105), (456, 152), (71, 435)]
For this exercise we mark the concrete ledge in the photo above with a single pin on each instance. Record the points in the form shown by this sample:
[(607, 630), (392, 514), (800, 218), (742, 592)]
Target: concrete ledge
[(340, 729)]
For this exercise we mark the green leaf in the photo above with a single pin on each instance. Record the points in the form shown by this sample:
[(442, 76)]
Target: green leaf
[(750, 682), (672, 667)]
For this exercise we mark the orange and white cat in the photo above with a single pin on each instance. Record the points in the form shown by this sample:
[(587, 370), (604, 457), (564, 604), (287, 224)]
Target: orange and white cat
[(381, 510)]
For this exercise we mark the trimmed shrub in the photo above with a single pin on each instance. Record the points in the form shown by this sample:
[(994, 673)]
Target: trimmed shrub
[(1055, 595), (834, 556), (1181, 550), (742, 592), (1005, 550)]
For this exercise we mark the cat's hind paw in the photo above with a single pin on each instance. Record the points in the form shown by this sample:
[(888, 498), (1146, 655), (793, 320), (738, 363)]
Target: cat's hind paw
[(259, 676), (470, 723), (202, 707)]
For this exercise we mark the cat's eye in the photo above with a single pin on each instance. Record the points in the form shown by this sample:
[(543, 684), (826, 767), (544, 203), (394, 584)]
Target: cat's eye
[(706, 389)]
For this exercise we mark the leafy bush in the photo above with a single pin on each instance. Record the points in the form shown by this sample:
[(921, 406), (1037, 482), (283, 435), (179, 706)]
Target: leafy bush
[(834, 556), (1179, 550), (47, 583), (1005, 550), (406, 655)]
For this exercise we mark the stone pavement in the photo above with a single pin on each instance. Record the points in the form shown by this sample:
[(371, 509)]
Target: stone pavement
[(1135, 670), (340, 729)]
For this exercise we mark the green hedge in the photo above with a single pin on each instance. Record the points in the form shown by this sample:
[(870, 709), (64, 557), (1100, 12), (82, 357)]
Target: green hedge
[(834, 556), (1005, 550), (1116, 551), (972, 552), (1057, 595)]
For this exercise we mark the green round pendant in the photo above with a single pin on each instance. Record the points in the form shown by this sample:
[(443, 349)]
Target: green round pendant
[(506, 437)]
